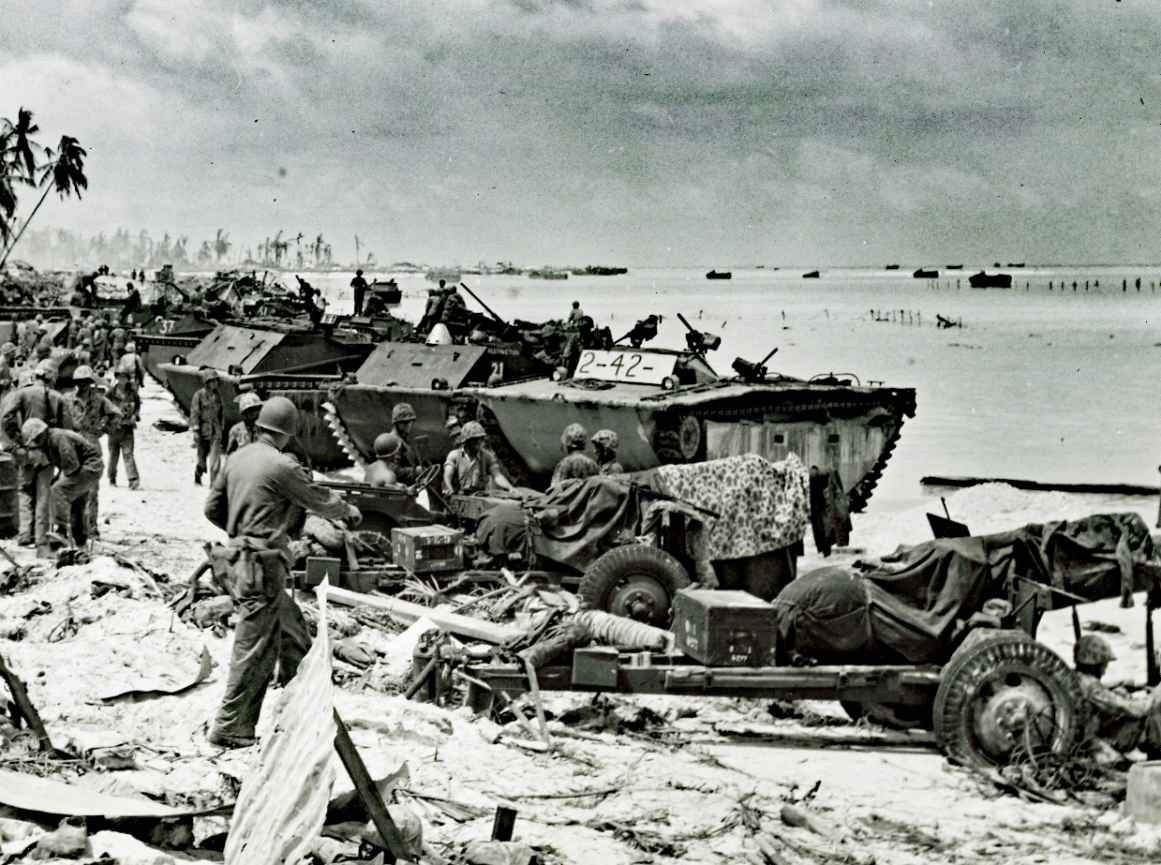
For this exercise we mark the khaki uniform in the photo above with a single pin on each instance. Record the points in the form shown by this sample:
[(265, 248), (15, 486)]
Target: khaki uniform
[(122, 432), (465, 474), (407, 465), (35, 482), (93, 415), (257, 498), (207, 420), (611, 468), (1124, 721), (79, 471), (240, 436)]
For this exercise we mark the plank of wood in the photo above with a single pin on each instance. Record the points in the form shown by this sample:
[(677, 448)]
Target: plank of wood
[(464, 626), (24, 704), (1041, 486), (368, 792)]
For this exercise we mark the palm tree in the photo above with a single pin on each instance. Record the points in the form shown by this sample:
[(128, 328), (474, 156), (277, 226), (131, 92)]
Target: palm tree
[(65, 174), (221, 244), (17, 164)]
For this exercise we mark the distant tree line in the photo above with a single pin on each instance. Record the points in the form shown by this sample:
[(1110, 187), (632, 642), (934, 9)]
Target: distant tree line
[(125, 250)]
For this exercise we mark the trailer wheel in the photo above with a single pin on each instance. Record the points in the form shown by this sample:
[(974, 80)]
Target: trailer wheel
[(636, 581), (894, 716), (1002, 689)]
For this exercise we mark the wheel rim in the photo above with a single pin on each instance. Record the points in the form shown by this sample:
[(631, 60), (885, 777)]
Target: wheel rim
[(640, 597), (689, 437), (1009, 705)]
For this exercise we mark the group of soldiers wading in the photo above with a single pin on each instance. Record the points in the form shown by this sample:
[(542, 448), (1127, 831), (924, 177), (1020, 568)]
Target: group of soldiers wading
[(55, 437)]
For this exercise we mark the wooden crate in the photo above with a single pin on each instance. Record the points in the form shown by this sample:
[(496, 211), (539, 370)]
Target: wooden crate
[(428, 549), (724, 628)]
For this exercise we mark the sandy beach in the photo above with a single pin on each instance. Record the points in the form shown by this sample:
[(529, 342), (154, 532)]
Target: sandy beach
[(684, 787)]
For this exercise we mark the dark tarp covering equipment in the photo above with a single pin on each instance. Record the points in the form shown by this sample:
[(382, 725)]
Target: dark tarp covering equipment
[(912, 605)]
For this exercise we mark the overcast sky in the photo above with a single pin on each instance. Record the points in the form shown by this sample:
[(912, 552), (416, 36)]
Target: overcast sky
[(615, 131)]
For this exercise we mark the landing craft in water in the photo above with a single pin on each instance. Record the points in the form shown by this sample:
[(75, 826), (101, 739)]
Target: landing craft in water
[(923, 273), (719, 274), (990, 280), (811, 274)]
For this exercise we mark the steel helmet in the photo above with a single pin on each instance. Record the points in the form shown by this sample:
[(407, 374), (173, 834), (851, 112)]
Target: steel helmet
[(574, 437), (473, 430), (402, 412), (607, 438), (45, 369), (279, 415), (7, 348), (210, 374), (1092, 649), (123, 370), (33, 429), (83, 373), (249, 400), (387, 444), (131, 347)]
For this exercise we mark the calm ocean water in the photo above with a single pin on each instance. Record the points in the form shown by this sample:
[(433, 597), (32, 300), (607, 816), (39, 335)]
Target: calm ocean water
[(1050, 386)]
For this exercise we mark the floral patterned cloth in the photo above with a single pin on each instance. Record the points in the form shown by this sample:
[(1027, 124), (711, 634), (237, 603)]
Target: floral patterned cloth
[(761, 505)]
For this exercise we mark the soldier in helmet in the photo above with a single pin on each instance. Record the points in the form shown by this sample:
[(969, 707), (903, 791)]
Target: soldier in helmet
[(207, 419), (469, 468), (130, 357), (93, 416), (38, 400), (245, 431), (257, 499), (121, 437), (78, 464), (1122, 720), (576, 463), (384, 472), (407, 461), (605, 443)]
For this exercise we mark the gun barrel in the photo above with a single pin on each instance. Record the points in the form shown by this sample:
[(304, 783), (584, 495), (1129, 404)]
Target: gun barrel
[(688, 326), (487, 308)]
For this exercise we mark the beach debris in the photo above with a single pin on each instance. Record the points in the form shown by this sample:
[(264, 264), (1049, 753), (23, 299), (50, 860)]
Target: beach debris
[(162, 685), (50, 796), (70, 840), (26, 711), (408, 612)]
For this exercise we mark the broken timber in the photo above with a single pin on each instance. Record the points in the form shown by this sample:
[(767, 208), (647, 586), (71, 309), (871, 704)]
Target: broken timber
[(464, 626), (25, 707)]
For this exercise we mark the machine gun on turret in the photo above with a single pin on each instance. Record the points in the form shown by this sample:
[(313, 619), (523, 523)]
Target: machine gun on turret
[(644, 330), (699, 341), (749, 371)]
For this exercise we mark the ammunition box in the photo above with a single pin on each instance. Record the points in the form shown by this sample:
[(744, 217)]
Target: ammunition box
[(319, 568), (724, 628), (428, 549)]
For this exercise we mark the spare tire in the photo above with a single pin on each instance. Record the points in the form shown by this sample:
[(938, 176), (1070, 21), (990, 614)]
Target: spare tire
[(636, 581), (1002, 691)]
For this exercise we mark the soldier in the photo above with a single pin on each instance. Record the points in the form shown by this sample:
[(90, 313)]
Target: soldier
[(84, 330), (122, 434), (117, 340), (384, 471), (576, 463), (131, 358), (1122, 721), (245, 431), (7, 373), (407, 462), (359, 289), (93, 414), (257, 499), (79, 466), (100, 342), (605, 445), (468, 469), (206, 421), (35, 400)]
